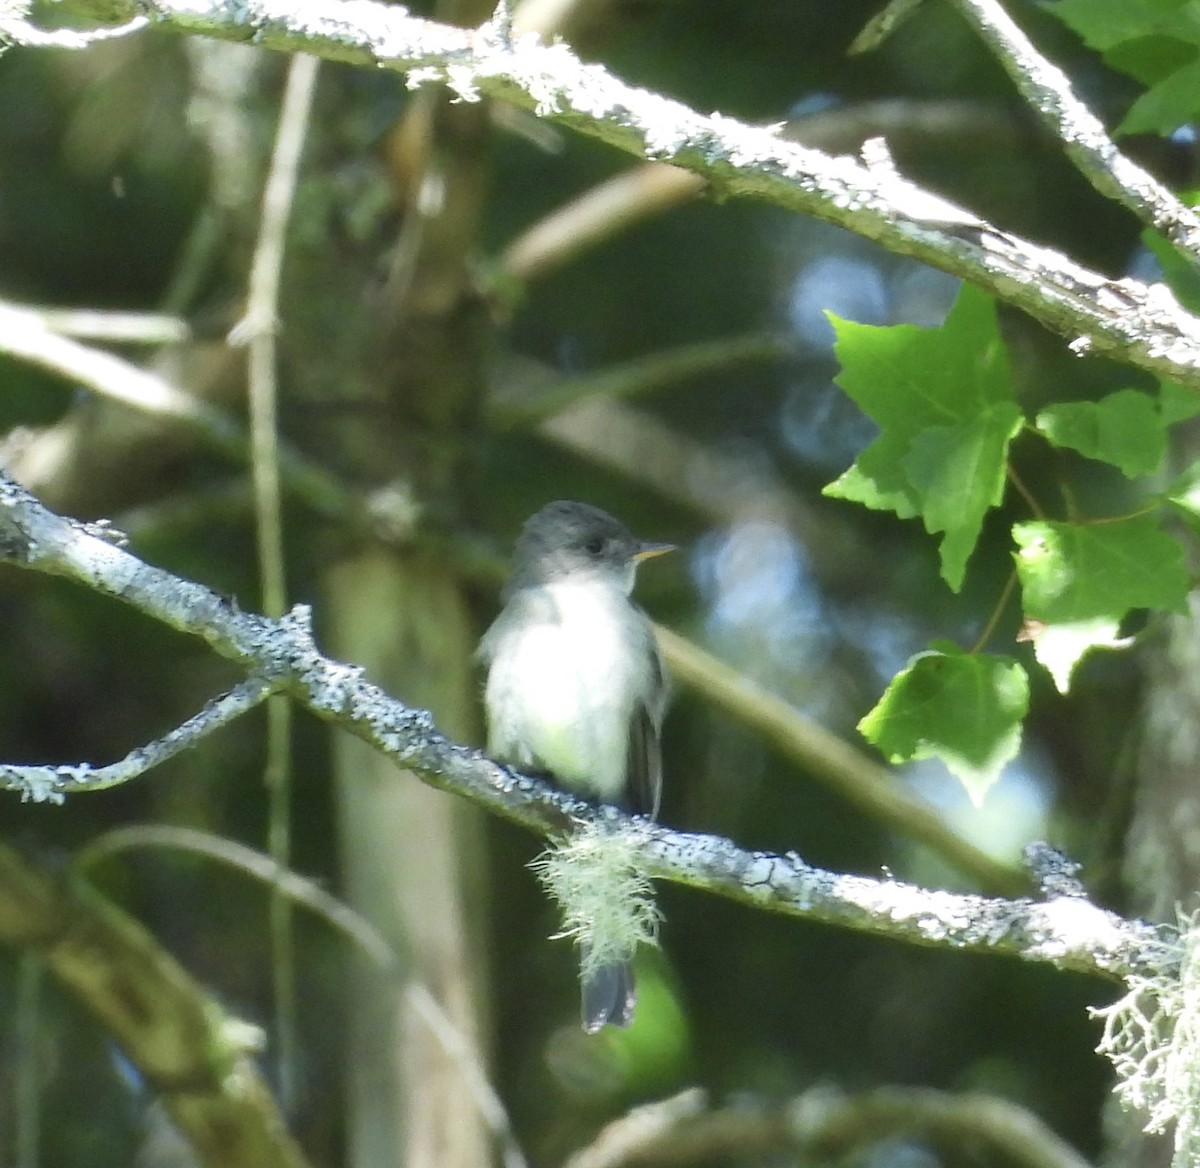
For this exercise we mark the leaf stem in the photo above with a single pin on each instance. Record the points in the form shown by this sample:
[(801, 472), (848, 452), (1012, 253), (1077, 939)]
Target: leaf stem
[(997, 611), (1019, 486)]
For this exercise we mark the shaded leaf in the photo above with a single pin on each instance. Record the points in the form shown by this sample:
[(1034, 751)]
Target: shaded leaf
[(1105, 24), (1125, 429), (1167, 104)]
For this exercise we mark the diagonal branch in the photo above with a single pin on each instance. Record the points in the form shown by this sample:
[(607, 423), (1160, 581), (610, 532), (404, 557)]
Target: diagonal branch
[(1050, 95), (53, 783), (25, 333), (1065, 930), (1126, 319)]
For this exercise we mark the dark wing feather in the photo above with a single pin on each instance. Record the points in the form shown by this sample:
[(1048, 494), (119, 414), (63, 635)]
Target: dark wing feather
[(643, 774), (643, 764)]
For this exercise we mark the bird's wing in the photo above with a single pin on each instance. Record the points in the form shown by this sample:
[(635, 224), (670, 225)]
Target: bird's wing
[(644, 751)]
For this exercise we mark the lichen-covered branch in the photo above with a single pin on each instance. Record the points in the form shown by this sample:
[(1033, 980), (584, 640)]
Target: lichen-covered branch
[(1063, 929), (53, 783), (1141, 324), (1050, 95), (25, 333)]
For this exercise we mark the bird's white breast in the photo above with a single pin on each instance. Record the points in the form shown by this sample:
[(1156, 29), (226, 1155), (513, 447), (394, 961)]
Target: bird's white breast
[(562, 684)]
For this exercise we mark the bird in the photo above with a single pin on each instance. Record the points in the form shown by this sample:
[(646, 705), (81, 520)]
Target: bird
[(576, 689)]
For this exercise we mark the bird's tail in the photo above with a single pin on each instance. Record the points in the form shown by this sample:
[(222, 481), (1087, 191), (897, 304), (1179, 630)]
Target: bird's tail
[(609, 995)]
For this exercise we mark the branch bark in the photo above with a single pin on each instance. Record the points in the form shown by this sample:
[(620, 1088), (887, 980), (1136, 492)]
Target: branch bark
[(1126, 319), (1066, 931)]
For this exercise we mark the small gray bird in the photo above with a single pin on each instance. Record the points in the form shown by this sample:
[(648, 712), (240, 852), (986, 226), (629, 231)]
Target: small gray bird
[(575, 686)]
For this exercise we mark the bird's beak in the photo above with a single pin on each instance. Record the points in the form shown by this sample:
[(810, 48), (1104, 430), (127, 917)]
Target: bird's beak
[(649, 550)]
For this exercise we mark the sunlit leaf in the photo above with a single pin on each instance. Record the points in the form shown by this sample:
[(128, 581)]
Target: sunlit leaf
[(963, 708), (1080, 581), (943, 401)]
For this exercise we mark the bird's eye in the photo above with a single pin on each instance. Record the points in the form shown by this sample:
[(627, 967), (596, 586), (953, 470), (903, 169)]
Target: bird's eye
[(594, 547)]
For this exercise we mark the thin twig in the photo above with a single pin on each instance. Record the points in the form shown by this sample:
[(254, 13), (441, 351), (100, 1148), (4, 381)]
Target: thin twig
[(1035, 508), (299, 889), (996, 613), (598, 214), (487, 1102), (257, 330), (98, 324), (55, 782), (26, 335), (638, 377)]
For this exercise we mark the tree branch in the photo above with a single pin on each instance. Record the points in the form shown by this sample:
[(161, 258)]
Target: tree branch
[(24, 333), (1126, 319), (824, 1125), (53, 783), (1049, 94), (198, 1059), (1065, 930)]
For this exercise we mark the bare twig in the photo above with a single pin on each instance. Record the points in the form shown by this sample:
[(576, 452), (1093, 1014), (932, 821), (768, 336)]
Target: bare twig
[(54, 783), (229, 852), (644, 375), (25, 334), (98, 324), (465, 1054), (257, 330), (598, 214)]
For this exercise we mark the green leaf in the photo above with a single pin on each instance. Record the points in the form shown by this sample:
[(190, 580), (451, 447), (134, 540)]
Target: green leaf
[(877, 479), (963, 708), (1125, 428), (1104, 24), (1177, 402), (958, 472), (1153, 41), (1149, 59), (943, 401), (1177, 270), (1081, 581), (1167, 104)]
